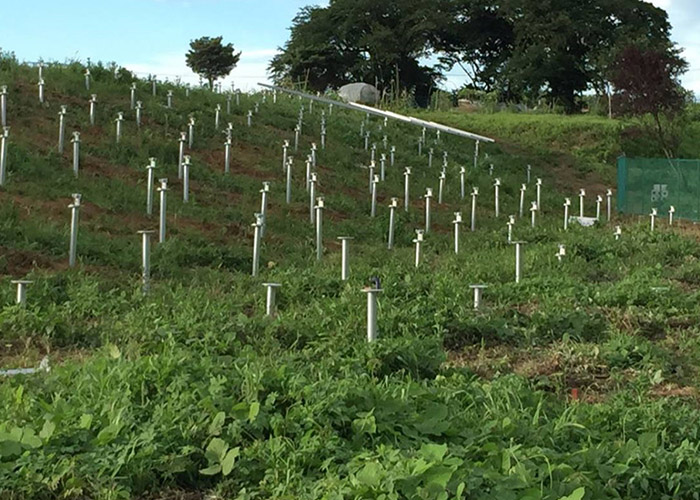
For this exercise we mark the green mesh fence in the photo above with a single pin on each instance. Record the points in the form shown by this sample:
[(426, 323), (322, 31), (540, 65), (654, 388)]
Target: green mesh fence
[(646, 183)]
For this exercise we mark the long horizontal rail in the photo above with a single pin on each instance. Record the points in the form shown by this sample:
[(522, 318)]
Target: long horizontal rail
[(386, 114)]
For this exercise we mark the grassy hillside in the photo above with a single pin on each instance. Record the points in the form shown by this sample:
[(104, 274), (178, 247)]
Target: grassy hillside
[(587, 143), (577, 382)]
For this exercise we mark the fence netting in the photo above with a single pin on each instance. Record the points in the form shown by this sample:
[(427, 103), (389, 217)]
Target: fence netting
[(646, 183)]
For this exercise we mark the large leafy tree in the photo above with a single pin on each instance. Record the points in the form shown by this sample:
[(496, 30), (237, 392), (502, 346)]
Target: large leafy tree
[(553, 49), (211, 59), (647, 82), (360, 40)]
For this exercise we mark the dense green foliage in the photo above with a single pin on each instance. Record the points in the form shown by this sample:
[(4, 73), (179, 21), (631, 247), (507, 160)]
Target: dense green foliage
[(191, 389), (525, 50), (211, 59)]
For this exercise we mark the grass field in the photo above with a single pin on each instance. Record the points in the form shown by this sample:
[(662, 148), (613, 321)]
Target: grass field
[(578, 382)]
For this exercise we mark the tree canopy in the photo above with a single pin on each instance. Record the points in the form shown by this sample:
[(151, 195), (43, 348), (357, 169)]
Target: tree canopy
[(550, 50), (211, 59)]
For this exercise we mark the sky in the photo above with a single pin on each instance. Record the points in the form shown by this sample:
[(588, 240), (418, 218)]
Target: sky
[(152, 36)]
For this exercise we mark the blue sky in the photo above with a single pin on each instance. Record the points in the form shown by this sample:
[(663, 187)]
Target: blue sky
[(152, 36)]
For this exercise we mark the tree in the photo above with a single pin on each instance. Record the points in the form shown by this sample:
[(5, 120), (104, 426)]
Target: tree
[(210, 59), (646, 81), (554, 49), (360, 40)]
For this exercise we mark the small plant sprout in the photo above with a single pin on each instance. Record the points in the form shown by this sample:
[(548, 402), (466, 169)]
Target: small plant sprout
[(150, 181), (190, 132), (257, 226), (3, 106), (518, 259), (119, 120), (529, 173), (475, 193), (373, 208), (654, 213), (320, 205), (41, 91), (146, 260), (533, 213), (457, 222), (462, 181), (430, 158), (671, 211), (264, 194), (441, 186), (521, 206), (510, 224), (608, 196), (132, 96), (382, 167), (581, 196), (61, 129), (345, 257), (73, 244), (561, 252), (186, 179), (161, 226), (21, 290), (567, 205), (271, 291), (618, 232), (392, 220), (428, 196), (418, 240), (93, 108), (139, 108), (312, 196), (372, 292), (392, 156), (170, 100), (478, 293), (76, 152)]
